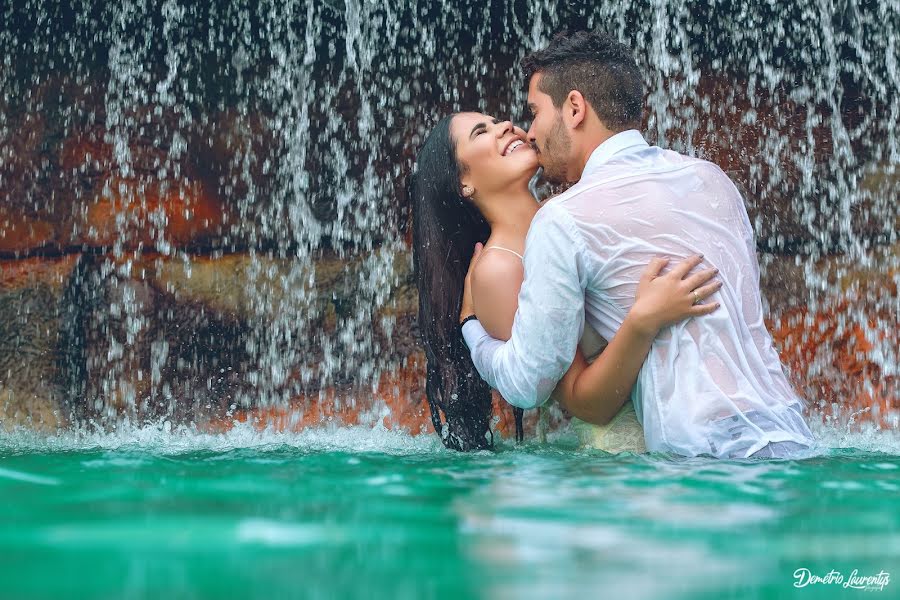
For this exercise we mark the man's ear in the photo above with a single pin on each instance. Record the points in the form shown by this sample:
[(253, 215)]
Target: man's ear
[(574, 109)]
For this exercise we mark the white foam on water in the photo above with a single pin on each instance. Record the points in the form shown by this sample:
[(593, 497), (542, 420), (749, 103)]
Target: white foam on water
[(864, 436), (164, 438)]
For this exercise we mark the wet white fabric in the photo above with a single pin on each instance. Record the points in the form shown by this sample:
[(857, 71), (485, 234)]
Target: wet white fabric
[(710, 385)]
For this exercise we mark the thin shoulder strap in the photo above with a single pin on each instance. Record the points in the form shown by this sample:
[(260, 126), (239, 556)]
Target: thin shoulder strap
[(507, 250)]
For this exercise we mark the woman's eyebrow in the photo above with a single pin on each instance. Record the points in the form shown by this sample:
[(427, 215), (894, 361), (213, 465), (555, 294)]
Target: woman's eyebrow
[(481, 125)]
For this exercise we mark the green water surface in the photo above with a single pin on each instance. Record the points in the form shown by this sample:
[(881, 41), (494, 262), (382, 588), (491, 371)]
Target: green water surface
[(284, 519)]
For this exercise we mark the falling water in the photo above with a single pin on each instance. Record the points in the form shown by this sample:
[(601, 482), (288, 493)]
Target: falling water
[(208, 199)]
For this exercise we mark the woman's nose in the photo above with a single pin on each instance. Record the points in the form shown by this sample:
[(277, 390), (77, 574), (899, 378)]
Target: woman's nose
[(503, 127)]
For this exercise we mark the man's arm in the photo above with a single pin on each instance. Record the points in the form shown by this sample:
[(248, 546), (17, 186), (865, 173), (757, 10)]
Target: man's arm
[(549, 319)]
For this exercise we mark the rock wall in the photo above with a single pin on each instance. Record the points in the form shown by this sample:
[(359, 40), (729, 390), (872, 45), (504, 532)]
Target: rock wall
[(69, 354), (143, 290), (202, 211)]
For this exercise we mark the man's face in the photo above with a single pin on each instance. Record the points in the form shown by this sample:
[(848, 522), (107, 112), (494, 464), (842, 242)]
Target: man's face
[(548, 134)]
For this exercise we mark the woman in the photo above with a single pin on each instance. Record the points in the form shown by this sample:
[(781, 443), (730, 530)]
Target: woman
[(471, 185)]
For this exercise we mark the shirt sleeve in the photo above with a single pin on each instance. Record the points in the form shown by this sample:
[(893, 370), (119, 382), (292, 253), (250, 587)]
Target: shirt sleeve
[(549, 320)]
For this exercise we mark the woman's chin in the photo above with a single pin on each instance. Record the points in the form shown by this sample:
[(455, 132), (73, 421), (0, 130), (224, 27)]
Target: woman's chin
[(524, 156), (531, 166), (517, 169)]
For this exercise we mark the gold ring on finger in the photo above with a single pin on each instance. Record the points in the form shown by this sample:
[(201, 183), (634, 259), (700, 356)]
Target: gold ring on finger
[(696, 297)]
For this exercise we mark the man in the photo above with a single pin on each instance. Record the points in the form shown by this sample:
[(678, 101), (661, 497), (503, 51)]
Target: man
[(710, 386)]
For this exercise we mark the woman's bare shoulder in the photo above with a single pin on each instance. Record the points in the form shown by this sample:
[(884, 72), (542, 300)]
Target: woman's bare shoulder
[(496, 280), (496, 267)]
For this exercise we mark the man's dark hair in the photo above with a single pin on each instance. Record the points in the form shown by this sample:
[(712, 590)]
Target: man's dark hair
[(597, 65)]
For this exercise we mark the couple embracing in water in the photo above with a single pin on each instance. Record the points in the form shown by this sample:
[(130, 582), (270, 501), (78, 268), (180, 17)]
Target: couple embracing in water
[(649, 249)]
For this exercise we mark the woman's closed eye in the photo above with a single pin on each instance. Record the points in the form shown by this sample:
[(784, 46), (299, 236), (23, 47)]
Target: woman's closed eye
[(480, 128)]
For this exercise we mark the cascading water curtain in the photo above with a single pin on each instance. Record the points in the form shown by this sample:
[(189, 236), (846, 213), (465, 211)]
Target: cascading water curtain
[(225, 179)]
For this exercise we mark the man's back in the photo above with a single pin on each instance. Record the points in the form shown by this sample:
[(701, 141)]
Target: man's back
[(712, 385)]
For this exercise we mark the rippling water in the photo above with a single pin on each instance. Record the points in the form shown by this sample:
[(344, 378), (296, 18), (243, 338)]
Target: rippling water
[(359, 513)]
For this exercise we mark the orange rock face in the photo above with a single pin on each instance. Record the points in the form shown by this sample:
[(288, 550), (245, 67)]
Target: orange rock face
[(77, 196), (400, 394), (840, 353), (152, 215), (63, 191), (849, 384), (832, 352), (149, 207), (32, 205), (21, 233), (30, 272)]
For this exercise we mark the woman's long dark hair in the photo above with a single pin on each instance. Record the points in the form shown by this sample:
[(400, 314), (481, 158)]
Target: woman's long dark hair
[(446, 227)]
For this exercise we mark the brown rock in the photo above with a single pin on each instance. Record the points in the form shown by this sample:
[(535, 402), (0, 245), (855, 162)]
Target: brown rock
[(32, 342), (227, 285), (20, 232)]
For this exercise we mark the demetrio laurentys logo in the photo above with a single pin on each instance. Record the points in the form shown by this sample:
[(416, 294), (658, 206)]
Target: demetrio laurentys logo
[(871, 583)]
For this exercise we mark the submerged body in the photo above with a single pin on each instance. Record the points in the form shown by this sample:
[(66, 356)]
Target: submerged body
[(624, 432), (712, 385)]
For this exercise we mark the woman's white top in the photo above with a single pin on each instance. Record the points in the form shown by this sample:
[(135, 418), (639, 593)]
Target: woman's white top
[(710, 385)]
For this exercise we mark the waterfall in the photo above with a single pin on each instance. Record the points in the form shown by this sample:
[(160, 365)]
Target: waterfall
[(202, 207)]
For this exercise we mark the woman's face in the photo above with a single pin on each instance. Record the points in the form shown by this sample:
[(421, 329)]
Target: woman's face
[(495, 153)]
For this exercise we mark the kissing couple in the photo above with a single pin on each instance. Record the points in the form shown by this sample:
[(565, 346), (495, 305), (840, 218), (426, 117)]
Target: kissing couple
[(649, 249)]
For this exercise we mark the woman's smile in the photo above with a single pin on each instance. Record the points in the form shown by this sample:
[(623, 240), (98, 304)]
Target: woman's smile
[(514, 145)]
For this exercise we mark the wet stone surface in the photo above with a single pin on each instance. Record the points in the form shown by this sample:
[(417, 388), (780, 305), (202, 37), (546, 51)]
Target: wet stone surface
[(203, 210), (89, 339)]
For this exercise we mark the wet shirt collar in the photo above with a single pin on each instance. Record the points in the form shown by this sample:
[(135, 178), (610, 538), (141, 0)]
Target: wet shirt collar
[(624, 142)]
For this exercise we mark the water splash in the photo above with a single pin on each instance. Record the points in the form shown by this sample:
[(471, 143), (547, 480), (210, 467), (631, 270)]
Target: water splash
[(165, 438)]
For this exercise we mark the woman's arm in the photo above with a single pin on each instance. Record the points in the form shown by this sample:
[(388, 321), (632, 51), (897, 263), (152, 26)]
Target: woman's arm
[(595, 392)]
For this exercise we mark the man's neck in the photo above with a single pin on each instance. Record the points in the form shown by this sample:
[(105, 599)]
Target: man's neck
[(592, 140)]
